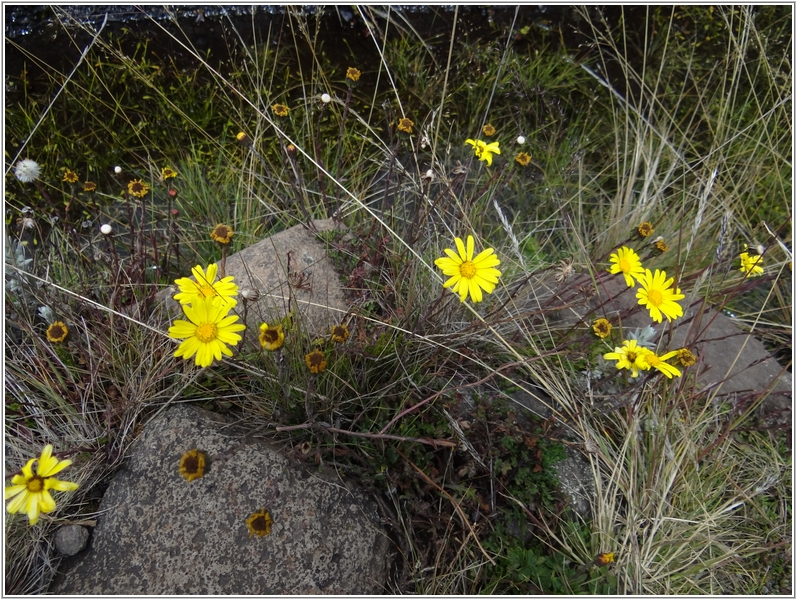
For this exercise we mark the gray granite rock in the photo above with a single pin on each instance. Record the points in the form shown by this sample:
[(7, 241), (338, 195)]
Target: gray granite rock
[(160, 534), (71, 539), (311, 287)]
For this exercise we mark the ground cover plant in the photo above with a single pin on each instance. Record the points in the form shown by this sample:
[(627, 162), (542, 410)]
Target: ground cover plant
[(494, 182)]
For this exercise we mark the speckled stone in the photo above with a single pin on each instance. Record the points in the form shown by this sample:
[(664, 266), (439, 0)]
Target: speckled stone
[(316, 294), (160, 534), (71, 539)]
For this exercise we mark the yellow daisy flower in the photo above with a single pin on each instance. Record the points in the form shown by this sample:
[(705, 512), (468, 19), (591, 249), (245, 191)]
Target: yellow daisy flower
[(523, 158), (206, 333), (657, 362), (271, 338), (204, 285), (627, 262), (168, 173), (31, 493), (629, 356), (469, 274), (645, 229), (752, 266), (484, 151), (657, 296)]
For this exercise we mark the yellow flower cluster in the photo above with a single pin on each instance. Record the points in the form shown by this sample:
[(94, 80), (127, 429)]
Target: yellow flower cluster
[(210, 328), (637, 358)]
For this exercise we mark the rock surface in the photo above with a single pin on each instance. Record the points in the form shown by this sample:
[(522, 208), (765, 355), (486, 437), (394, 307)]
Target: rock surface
[(71, 539), (311, 288), (160, 534)]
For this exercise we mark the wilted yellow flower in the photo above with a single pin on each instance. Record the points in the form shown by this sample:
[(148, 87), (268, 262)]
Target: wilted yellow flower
[(57, 332), (488, 130), (340, 333), (645, 229), (405, 125), (259, 523), (685, 357), (192, 465), (316, 361), (523, 158), (222, 234), (137, 188), (70, 176), (168, 173), (353, 74), (602, 328), (280, 110), (271, 338)]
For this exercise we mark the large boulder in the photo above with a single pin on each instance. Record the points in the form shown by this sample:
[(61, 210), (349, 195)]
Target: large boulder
[(158, 533)]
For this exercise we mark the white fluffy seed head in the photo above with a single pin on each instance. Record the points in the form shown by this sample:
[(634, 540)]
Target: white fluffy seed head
[(521, 139), (27, 170), (326, 98), (430, 174), (117, 170), (106, 229)]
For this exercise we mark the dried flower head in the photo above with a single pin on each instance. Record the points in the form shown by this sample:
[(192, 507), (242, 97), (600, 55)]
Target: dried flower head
[(339, 334), (645, 229), (271, 338), (57, 332), (192, 465), (684, 357), (488, 130), (137, 188), (222, 234), (405, 125), (660, 245), (31, 493), (280, 110), (168, 173), (316, 361), (259, 523), (70, 176), (250, 294), (89, 186), (353, 74), (564, 270), (27, 170), (602, 328), (243, 138), (523, 158)]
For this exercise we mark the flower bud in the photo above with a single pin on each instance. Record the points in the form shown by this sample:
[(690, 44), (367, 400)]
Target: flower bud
[(326, 98), (106, 229), (117, 170), (521, 140)]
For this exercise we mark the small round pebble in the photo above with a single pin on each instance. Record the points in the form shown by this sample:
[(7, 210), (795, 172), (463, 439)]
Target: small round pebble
[(71, 539)]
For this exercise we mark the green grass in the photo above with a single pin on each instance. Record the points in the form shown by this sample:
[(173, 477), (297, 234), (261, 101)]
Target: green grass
[(691, 498)]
